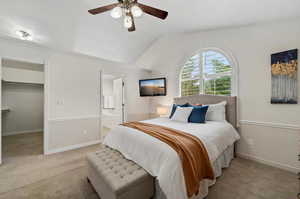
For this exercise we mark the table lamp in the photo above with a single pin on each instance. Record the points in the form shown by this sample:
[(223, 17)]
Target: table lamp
[(162, 111)]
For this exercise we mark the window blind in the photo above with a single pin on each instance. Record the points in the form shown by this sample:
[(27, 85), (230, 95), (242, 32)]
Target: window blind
[(217, 74), (209, 72), (190, 76)]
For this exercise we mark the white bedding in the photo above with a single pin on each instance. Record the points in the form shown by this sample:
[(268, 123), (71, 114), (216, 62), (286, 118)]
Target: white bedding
[(160, 160)]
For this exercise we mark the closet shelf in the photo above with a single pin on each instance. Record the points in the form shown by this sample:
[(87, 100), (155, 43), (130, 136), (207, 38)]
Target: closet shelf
[(22, 82), (15, 75), (5, 109)]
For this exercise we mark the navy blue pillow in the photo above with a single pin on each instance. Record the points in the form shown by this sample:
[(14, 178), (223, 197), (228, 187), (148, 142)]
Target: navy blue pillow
[(175, 106), (198, 114)]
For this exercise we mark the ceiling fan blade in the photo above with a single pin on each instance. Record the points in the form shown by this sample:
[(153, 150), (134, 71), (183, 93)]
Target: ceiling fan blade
[(103, 9), (153, 11), (132, 28)]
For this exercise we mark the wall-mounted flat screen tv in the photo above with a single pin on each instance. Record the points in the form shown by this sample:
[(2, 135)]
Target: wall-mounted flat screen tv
[(153, 87)]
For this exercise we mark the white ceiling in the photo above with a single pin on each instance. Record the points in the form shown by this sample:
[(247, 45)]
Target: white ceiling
[(66, 24)]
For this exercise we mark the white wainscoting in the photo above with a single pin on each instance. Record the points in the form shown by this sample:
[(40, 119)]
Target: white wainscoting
[(74, 132), (274, 144), (71, 133), (271, 124), (61, 119)]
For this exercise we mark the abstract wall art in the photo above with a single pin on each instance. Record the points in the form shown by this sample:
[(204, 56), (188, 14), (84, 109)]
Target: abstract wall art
[(284, 77)]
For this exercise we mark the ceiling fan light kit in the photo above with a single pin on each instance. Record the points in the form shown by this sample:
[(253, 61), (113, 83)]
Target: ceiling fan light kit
[(136, 11), (116, 13), (129, 9), (127, 22)]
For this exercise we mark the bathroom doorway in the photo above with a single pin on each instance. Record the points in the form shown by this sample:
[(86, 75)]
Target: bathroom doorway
[(113, 102)]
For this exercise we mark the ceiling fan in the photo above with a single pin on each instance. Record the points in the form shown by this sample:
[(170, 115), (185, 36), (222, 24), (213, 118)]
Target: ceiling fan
[(129, 9)]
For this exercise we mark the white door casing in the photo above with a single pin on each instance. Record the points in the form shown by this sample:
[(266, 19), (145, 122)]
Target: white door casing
[(1, 111), (118, 99)]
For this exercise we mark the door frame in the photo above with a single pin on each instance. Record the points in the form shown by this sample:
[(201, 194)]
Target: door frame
[(46, 106), (100, 104), (124, 112), (45, 64), (1, 110), (123, 97)]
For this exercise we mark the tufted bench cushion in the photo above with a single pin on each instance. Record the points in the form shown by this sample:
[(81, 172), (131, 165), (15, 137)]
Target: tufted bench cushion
[(114, 177)]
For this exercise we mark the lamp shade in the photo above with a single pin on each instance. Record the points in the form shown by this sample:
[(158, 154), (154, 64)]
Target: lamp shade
[(127, 22), (136, 11), (116, 12), (162, 110)]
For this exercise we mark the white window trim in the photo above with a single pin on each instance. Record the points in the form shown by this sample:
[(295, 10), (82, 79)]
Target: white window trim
[(233, 73)]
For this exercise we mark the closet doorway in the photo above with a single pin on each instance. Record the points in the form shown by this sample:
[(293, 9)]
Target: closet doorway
[(113, 102), (22, 107)]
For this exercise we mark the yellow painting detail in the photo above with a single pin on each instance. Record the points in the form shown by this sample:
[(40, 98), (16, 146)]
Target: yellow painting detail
[(289, 68)]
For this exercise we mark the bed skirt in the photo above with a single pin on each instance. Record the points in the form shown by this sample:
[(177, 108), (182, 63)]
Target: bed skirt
[(222, 162)]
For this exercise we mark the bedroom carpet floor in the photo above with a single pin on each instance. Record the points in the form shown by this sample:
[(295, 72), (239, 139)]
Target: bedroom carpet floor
[(27, 174)]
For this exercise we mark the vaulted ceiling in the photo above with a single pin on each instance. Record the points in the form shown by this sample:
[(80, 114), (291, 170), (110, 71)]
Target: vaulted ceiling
[(66, 24)]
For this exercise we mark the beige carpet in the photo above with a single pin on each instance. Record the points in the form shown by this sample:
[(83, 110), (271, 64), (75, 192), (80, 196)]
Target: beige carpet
[(25, 173)]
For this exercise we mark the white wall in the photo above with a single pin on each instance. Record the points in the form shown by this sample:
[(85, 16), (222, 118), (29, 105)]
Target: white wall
[(26, 108), (270, 133), (73, 82), (74, 97)]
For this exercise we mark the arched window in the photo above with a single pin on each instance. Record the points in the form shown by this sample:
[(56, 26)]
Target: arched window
[(208, 72)]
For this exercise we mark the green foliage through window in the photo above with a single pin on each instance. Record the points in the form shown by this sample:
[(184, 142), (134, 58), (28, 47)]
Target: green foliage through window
[(208, 73), (219, 86), (190, 87)]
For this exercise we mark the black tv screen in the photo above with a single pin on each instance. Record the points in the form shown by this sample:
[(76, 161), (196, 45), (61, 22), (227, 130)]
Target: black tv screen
[(153, 87)]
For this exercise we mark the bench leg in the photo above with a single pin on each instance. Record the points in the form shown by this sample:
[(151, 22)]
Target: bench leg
[(89, 181)]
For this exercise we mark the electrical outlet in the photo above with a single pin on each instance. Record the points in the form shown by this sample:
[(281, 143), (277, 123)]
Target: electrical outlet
[(85, 132), (250, 142)]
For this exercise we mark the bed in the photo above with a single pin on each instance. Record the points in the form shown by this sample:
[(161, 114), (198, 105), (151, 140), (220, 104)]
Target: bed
[(162, 162)]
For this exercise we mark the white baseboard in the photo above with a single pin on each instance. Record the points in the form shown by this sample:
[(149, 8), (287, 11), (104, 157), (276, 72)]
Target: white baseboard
[(269, 162), (72, 147), (21, 132)]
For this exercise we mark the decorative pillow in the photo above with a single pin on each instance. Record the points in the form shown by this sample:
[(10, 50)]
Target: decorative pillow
[(175, 106), (182, 114), (198, 114), (216, 112)]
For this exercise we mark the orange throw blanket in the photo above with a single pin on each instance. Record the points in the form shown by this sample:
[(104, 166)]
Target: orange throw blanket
[(194, 157)]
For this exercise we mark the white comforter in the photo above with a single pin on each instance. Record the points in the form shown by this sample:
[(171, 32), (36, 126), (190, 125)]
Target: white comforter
[(160, 160)]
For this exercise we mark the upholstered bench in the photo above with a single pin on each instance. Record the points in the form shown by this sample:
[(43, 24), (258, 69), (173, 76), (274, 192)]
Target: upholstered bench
[(114, 177)]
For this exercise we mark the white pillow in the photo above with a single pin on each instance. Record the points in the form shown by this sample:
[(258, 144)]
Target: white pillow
[(182, 114), (216, 112)]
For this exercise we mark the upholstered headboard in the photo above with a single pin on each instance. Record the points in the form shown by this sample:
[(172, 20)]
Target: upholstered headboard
[(231, 107)]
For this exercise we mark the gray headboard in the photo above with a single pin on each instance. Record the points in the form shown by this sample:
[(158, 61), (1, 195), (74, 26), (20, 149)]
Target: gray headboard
[(231, 110)]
